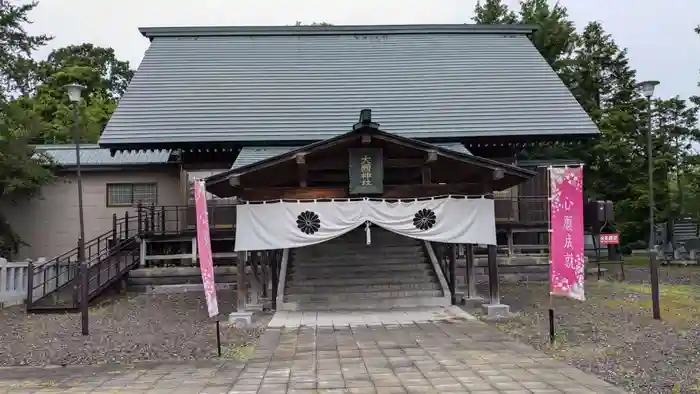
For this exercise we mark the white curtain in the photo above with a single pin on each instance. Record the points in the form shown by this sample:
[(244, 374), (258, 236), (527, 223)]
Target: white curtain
[(281, 225)]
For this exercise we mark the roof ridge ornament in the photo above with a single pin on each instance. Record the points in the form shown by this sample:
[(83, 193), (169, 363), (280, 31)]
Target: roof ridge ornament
[(365, 121)]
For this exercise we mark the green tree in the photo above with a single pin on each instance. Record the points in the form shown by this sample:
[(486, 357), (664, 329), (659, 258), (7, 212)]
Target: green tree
[(696, 99), (556, 34), (22, 170), (105, 79), (675, 132), (313, 24), (493, 12), (17, 69), (598, 73)]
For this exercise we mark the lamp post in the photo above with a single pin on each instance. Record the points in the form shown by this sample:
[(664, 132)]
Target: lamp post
[(648, 91), (74, 95)]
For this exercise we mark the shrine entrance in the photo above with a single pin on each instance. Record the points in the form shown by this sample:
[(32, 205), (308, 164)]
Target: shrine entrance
[(305, 203)]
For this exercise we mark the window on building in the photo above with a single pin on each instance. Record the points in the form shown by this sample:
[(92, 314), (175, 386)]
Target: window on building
[(130, 194)]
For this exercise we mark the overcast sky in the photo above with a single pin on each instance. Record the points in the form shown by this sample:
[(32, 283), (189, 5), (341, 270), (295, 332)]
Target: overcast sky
[(658, 34)]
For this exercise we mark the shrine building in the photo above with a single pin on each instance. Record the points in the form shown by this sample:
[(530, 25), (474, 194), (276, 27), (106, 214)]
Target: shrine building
[(367, 166)]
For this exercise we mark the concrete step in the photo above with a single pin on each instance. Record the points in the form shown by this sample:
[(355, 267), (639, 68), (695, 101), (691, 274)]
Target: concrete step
[(341, 251), (352, 297), (359, 271), (420, 277), (358, 261), (368, 303), (304, 288), (350, 250)]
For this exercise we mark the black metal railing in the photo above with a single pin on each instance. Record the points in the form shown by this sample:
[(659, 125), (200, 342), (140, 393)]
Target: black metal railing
[(106, 253), (60, 272)]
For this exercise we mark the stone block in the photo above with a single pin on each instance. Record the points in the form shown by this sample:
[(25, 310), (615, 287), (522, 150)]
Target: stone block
[(240, 319), (497, 311), (472, 302)]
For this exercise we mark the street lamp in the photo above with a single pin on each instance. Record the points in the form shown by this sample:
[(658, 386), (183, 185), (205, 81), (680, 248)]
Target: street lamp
[(648, 91), (74, 95)]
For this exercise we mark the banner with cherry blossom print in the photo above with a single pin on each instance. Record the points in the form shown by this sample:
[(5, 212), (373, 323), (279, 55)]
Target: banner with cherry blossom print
[(206, 265), (566, 273)]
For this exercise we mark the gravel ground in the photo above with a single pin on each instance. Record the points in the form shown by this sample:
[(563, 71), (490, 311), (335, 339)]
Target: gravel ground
[(613, 334), (123, 329)]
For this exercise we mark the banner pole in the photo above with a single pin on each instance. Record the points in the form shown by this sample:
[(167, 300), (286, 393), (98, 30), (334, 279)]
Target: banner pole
[(549, 236), (218, 337)]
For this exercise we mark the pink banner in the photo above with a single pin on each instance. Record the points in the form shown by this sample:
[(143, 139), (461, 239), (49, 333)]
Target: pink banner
[(566, 270), (206, 265)]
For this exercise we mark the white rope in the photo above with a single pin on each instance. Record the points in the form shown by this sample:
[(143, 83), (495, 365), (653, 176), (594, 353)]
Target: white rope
[(368, 233)]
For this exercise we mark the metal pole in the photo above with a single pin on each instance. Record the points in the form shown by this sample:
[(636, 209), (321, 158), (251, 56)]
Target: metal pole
[(653, 262), (76, 137), (81, 252)]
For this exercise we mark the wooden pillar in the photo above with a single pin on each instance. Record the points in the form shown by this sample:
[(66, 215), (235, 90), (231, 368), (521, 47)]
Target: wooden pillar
[(275, 278), (194, 251), (509, 235), (241, 290), (469, 277), (254, 289), (453, 272), (494, 285)]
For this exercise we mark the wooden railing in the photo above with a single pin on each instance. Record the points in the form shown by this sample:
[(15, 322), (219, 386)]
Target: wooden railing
[(175, 219), (526, 210)]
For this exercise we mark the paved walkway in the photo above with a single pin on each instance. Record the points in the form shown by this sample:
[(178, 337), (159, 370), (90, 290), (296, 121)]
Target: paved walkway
[(424, 351)]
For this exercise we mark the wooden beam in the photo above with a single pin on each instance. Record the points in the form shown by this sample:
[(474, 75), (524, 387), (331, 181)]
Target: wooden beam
[(302, 169), (409, 191), (395, 176), (334, 164), (274, 193), (426, 175), (390, 191)]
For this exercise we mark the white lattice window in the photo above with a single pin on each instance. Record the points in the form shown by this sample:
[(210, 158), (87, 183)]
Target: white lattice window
[(130, 194)]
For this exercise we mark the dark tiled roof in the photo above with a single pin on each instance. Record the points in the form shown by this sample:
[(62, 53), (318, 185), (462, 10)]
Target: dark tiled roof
[(260, 85)]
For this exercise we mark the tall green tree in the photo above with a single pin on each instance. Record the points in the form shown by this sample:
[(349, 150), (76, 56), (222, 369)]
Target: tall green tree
[(22, 171), (598, 73), (493, 12), (105, 78), (696, 99), (556, 34), (313, 24), (17, 68)]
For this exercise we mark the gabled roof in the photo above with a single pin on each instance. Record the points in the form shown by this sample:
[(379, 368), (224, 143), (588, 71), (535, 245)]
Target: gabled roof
[(260, 85), (219, 184)]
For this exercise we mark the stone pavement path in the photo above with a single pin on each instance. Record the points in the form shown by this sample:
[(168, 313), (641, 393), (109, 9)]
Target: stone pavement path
[(427, 351)]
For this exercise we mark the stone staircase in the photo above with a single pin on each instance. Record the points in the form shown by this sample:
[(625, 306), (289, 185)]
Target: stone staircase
[(346, 273)]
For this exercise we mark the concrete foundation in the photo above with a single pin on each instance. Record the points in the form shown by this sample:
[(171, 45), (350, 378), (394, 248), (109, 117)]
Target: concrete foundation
[(240, 319), (473, 302), (496, 311)]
